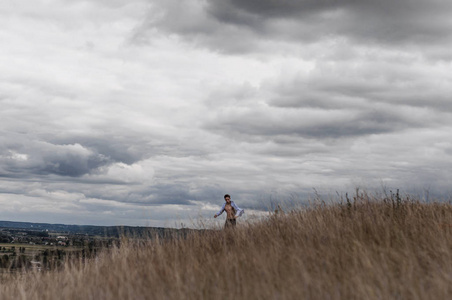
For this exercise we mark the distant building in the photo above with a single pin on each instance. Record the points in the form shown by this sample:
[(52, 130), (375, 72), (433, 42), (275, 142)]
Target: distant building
[(36, 265)]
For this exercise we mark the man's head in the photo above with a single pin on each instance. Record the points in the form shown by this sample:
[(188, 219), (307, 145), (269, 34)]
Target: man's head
[(227, 198)]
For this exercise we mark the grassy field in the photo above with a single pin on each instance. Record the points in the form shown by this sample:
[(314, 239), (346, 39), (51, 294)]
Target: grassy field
[(31, 248), (365, 248)]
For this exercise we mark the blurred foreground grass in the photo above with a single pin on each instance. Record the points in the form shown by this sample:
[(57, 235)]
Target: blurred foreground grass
[(364, 248)]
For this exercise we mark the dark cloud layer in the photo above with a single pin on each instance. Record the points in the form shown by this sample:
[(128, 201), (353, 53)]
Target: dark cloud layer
[(389, 21), (247, 26), (73, 156)]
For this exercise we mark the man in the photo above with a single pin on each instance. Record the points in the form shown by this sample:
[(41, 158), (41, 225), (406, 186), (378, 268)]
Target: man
[(232, 212)]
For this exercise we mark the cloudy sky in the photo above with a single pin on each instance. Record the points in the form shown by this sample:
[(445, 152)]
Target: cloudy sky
[(146, 112)]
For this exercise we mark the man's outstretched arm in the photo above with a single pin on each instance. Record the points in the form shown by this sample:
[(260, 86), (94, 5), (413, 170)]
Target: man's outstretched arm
[(220, 211)]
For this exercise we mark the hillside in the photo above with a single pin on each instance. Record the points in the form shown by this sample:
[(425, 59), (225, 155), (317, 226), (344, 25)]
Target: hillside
[(366, 248)]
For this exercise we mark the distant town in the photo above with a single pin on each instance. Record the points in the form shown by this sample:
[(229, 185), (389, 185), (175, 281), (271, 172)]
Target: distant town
[(45, 246)]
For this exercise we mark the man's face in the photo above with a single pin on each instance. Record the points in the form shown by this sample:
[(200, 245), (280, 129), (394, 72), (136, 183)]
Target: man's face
[(228, 200)]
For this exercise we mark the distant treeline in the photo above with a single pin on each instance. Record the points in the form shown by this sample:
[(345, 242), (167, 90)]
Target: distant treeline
[(106, 231)]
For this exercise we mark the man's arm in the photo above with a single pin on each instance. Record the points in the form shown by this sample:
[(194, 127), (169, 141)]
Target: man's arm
[(220, 211), (238, 211)]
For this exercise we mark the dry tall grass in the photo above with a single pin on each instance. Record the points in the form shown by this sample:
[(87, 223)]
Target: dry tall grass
[(367, 249)]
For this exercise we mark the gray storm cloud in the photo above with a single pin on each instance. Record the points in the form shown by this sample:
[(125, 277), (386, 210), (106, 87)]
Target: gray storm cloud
[(246, 26), (42, 158), (387, 21)]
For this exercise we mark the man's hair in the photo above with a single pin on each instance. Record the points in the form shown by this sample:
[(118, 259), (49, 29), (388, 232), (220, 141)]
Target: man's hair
[(227, 195)]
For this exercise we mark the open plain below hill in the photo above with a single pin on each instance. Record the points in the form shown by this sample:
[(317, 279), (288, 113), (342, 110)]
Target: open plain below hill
[(92, 230), (364, 248)]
